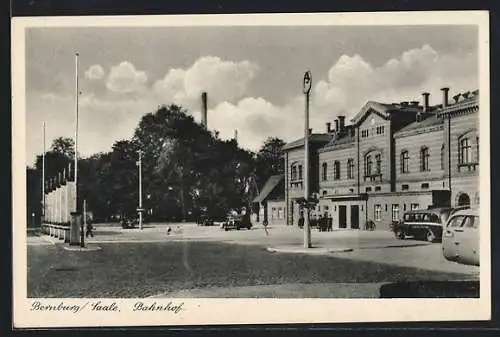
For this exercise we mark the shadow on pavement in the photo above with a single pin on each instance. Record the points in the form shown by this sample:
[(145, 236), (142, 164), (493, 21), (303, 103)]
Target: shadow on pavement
[(431, 289)]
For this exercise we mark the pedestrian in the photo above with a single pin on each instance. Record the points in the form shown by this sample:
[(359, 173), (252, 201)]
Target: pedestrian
[(89, 230), (265, 223)]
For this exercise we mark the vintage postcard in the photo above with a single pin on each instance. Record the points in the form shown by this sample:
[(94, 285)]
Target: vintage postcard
[(251, 169)]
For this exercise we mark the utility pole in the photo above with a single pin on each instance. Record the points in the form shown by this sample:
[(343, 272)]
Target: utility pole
[(43, 176), (139, 209), (307, 91)]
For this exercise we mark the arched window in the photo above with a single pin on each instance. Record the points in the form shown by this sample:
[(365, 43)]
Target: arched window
[(378, 163), (294, 172), (350, 168), (336, 170), (463, 200), (368, 165), (424, 159), (442, 157), (405, 159), (324, 171)]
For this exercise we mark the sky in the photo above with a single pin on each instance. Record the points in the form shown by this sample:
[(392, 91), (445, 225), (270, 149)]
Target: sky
[(252, 75)]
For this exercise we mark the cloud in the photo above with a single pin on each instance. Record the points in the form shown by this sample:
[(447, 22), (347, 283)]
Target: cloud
[(349, 84), (124, 78), (352, 81), (224, 81), (95, 72)]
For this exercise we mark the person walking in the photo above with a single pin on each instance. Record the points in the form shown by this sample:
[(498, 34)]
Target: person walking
[(265, 224), (89, 232)]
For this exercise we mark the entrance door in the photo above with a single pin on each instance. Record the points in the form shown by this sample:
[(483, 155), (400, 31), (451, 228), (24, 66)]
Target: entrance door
[(342, 217), (355, 216)]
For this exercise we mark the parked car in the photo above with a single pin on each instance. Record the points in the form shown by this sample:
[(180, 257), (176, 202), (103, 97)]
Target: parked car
[(237, 221), (422, 224), (461, 237)]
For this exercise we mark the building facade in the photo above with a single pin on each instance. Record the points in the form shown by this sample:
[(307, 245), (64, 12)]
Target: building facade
[(391, 158)]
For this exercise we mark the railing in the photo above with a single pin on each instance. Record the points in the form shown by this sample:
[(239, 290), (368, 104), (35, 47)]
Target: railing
[(61, 232)]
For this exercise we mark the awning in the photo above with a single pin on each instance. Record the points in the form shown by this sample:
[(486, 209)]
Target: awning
[(269, 186)]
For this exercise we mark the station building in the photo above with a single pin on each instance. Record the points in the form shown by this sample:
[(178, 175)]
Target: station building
[(392, 157)]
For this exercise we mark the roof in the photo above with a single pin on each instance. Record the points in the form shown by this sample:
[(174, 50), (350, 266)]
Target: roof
[(468, 211), (428, 121), (315, 137), (385, 110), (268, 187), (347, 138)]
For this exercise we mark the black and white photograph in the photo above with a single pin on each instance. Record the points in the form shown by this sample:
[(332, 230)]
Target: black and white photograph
[(241, 169)]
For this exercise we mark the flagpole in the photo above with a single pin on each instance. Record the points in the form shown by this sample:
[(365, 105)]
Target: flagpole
[(43, 176), (76, 131)]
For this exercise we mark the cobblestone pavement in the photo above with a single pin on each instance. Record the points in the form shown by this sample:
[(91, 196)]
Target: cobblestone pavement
[(377, 246)]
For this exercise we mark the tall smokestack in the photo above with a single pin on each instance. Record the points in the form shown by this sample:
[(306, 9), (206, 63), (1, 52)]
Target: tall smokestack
[(445, 96), (336, 125), (236, 135), (204, 109), (425, 96), (328, 127)]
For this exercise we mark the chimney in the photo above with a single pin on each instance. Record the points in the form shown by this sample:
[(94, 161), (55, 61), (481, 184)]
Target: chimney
[(341, 124), (204, 109), (328, 127), (425, 97), (445, 96), (336, 125)]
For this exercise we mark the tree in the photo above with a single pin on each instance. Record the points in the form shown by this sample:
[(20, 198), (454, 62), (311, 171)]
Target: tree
[(270, 160), (64, 146)]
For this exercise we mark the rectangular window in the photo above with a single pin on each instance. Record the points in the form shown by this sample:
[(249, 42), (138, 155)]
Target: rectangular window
[(464, 155), (414, 207), (378, 212), (368, 189), (405, 187), (273, 213), (377, 188), (300, 172), (395, 212), (424, 159), (425, 185), (336, 170), (350, 169)]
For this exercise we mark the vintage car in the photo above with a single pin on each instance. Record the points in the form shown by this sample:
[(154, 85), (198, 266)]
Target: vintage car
[(423, 224), (237, 221), (460, 242)]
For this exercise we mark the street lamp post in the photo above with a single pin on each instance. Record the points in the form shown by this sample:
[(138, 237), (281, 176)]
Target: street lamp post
[(307, 230), (139, 209)]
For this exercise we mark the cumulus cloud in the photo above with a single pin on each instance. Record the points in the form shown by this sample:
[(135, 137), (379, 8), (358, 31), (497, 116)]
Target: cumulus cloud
[(124, 78), (352, 81), (223, 80), (95, 72), (348, 85)]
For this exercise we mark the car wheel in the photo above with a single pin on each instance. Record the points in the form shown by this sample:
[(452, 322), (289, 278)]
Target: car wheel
[(430, 236)]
